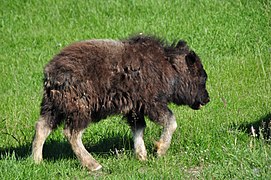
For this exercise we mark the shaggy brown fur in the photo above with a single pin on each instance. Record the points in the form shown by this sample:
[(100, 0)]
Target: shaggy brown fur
[(89, 80)]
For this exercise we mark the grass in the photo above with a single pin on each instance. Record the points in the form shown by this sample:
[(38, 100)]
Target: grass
[(233, 41)]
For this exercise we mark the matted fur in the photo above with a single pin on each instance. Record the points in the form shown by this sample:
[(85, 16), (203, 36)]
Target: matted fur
[(137, 77)]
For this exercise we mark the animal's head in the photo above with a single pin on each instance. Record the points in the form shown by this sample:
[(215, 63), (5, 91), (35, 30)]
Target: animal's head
[(190, 84)]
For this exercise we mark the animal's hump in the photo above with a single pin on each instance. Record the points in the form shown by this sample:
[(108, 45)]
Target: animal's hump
[(148, 40)]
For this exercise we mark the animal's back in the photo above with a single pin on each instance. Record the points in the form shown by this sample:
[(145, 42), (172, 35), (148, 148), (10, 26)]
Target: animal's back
[(90, 60)]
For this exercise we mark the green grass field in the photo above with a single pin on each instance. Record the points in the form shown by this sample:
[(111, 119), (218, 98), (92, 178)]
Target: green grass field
[(233, 39)]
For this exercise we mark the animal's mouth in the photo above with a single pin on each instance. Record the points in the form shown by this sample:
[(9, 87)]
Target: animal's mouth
[(198, 105)]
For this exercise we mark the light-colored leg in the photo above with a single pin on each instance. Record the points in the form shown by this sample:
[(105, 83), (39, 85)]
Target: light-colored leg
[(86, 159), (163, 144), (139, 146), (42, 132)]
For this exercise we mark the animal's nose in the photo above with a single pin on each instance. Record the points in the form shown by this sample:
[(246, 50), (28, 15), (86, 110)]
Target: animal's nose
[(206, 100)]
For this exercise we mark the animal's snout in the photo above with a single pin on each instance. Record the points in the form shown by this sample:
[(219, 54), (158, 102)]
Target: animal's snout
[(207, 100)]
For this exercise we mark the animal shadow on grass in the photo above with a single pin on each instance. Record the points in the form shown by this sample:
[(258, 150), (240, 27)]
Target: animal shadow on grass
[(54, 150), (51, 150), (17, 152), (259, 129)]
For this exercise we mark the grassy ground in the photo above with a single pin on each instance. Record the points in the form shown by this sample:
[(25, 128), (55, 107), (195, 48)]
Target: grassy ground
[(233, 40)]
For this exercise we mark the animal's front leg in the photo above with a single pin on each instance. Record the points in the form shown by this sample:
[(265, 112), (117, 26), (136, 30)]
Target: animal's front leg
[(169, 123), (139, 146), (138, 124)]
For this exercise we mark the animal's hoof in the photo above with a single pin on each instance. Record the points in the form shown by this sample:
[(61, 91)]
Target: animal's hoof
[(37, 160), (141, 153), (95, 167), (142, 157), (99, 167), (161, 148)]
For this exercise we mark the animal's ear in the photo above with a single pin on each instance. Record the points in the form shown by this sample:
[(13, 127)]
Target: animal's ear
[(191, 58), (181, 44)]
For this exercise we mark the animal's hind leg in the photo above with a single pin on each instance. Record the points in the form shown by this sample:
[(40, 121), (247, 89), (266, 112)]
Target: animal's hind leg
[(75, 139), (42, 132)]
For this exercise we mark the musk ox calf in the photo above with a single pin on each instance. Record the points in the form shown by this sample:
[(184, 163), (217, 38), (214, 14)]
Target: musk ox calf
[(90, 80)]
